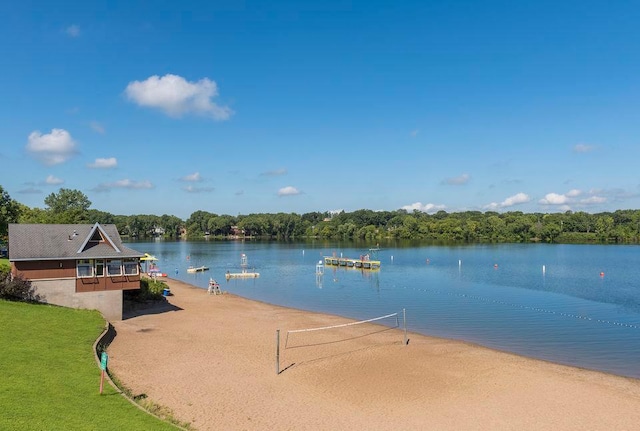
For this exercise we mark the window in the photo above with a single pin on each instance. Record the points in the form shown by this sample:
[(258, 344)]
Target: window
[(100, 268), (84, 268), (131, 267), (114, 267)]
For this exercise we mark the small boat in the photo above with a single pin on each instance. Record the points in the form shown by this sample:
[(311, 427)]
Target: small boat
[(193, 269)]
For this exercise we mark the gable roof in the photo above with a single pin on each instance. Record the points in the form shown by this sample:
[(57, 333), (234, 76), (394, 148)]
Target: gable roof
[(66, 241)]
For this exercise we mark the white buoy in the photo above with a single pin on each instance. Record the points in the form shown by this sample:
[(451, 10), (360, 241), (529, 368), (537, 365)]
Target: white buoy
[(391, 258), (303, 252), (544, 269), (459, 262)]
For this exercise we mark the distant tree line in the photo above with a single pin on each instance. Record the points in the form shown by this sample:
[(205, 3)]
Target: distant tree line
[(72, 206)]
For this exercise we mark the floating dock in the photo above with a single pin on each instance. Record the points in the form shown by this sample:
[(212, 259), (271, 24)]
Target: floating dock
[(363, 263), (229, 275), (192, 269), (244, 274)]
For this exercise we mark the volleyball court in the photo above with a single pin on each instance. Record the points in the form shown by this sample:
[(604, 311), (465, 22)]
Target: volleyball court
[(307, 345)]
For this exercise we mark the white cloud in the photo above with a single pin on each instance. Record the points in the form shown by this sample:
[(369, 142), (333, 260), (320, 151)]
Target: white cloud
[(97, 127), (73, 30), (564, 200), (457, 181), (517, 199), (192, 178), (52, 148), (108, 163), (53, 181), (123, 184), (583, 148), (593, 200), (275, 173), (176, 96), (288, 191), (414, 133), (553, 199), (426, 208), (192, 189), (614, 195)]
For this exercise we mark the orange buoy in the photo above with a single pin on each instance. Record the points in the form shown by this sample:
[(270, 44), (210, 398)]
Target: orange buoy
[(602, 274)]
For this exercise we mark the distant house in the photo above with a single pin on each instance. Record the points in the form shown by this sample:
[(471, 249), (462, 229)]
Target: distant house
[(75, 265), (237, 232)]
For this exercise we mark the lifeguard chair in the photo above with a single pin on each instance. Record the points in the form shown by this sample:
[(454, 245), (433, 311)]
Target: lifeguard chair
[(214, 287)]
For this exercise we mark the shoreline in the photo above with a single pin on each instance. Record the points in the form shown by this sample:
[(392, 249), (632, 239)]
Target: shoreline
[(211, 359)]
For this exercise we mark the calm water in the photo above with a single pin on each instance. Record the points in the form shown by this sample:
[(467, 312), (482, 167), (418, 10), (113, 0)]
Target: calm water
[(570, 304)]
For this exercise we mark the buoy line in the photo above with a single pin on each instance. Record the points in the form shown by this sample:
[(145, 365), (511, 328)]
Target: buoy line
[(526, 307)]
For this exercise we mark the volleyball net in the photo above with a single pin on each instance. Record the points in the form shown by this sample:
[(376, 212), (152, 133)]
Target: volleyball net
[(389, 321), (303, 345)]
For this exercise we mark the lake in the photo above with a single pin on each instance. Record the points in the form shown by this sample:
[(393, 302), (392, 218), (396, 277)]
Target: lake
[(571, 304)]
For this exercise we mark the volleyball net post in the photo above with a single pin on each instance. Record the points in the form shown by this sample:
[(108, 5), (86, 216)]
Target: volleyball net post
[(277, 351), (404, 325)]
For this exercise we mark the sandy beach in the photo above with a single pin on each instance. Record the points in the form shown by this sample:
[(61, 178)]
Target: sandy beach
[(211, 359)]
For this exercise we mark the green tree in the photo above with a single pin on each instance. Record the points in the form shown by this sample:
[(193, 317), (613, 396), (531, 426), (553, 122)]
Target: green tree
[(171, 225), (604, 226), (68, 206), (67, 199), (221, 225), (255, 224), (198, 223), (102, 217), (33, 215), (9, 212)]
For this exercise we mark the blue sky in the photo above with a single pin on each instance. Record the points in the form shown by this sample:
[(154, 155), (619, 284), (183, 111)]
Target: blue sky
[(247, 107)]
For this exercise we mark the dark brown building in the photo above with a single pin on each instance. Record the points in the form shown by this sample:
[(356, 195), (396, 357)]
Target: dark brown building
[(75, 265)]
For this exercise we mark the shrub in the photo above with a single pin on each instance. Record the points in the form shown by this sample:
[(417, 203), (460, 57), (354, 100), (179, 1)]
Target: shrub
[(17, 289), (150, 290)]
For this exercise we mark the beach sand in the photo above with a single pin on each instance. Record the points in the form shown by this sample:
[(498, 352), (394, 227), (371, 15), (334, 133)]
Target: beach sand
[(211, 359)]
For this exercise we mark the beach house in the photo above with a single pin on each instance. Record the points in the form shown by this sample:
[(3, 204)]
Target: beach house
[(75, 265)]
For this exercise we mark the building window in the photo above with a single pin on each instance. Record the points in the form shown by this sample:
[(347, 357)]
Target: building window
[(114, 267), (100, 268), (84, 268), (131, 266)]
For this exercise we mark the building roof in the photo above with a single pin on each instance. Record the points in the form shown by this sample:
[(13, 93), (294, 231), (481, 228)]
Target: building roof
[(66, 241)]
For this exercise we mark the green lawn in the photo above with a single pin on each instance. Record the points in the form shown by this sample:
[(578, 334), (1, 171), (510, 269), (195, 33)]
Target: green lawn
[(49, 379)]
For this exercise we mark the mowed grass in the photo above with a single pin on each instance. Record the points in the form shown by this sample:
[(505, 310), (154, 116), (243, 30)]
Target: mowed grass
[(49, 379)]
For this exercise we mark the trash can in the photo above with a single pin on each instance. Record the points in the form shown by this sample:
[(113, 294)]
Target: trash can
[(165, 292)]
